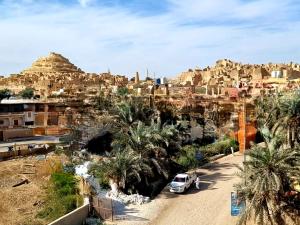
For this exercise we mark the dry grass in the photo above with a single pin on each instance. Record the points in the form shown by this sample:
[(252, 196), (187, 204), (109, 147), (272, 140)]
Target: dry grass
[(49, 166), (19, 205)]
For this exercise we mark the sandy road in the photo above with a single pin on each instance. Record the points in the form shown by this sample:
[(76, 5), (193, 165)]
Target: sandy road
[(211, 204), (208, 206)]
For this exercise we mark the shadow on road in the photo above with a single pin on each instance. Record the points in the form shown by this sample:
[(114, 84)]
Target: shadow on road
[(122, 212)]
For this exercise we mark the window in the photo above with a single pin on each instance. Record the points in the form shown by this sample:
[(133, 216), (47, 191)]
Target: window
[(179, 179), (1, 122), (16, 122), (28, 123), (29, 114)]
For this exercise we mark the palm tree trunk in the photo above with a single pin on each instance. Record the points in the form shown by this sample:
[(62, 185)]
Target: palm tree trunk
[(293, 134), (289, 137)]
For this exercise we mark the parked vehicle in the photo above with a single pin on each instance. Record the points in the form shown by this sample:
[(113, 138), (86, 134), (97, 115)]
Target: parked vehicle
[(182, 182)]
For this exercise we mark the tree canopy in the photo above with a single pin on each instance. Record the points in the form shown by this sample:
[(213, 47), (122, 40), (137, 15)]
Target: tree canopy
[(5, 93), (27, 93)]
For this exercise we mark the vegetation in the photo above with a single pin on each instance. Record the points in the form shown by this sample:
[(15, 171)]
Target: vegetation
[(123, 167), (147, 146), (280, 113), (266, 181), (27, 93), (5, 93), (62, 196), (138, 133), (187, 157), (272, 169), (102, 102), (219, 147), (123, 91)]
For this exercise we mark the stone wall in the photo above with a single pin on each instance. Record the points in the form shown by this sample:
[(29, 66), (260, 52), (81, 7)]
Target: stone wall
[(76, 217)]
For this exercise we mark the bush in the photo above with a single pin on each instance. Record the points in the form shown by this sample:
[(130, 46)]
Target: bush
[(220, 147), (62, 197), (187, 157), (5, 93), (27, 93), (122, 91), (97, 172)]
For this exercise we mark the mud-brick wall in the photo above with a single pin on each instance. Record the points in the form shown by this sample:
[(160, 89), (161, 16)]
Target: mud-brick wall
[(17, 133)]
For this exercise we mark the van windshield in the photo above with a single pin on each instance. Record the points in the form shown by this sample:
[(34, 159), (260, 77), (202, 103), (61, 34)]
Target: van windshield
[(179, 179)]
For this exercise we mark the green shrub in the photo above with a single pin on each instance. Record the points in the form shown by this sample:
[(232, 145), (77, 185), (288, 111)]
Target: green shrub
[(27, 93), (187, 157), (62, 196), (97, 172), (220, 147), (122, 91), (5, 93)]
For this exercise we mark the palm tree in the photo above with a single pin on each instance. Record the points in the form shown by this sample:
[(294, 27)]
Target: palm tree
[(133, 111), (281, 114), (290, 115), (265, 179), (149, 142), (125, 165)]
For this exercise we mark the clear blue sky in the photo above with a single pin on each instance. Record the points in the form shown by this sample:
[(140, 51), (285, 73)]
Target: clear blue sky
[(165, 36)]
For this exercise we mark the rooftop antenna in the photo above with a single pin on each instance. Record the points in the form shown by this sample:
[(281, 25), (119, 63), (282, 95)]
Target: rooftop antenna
[(147, 73)]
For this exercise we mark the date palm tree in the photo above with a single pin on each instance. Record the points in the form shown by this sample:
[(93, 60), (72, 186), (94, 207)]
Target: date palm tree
[(148, 142), (124, 166), (265, 179), (281, 114), (133, 111)]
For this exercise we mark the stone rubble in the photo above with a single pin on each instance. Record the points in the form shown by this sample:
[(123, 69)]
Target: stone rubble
[(82, 171), (135, 199)]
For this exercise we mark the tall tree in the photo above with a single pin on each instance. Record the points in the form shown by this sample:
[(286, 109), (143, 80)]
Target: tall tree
[(281, 114), (266, 177), (123, 167)]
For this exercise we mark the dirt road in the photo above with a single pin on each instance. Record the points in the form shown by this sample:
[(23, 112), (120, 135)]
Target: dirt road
[(211, 204), (208, 206)]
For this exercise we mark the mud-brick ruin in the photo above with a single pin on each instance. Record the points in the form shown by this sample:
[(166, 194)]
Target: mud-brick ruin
[(61, 92), (228, 78), (223, 92), (56, 75)]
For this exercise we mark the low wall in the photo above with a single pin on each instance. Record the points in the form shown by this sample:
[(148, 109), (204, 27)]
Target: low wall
[(25, 152), (17, 133), (76, 217)]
